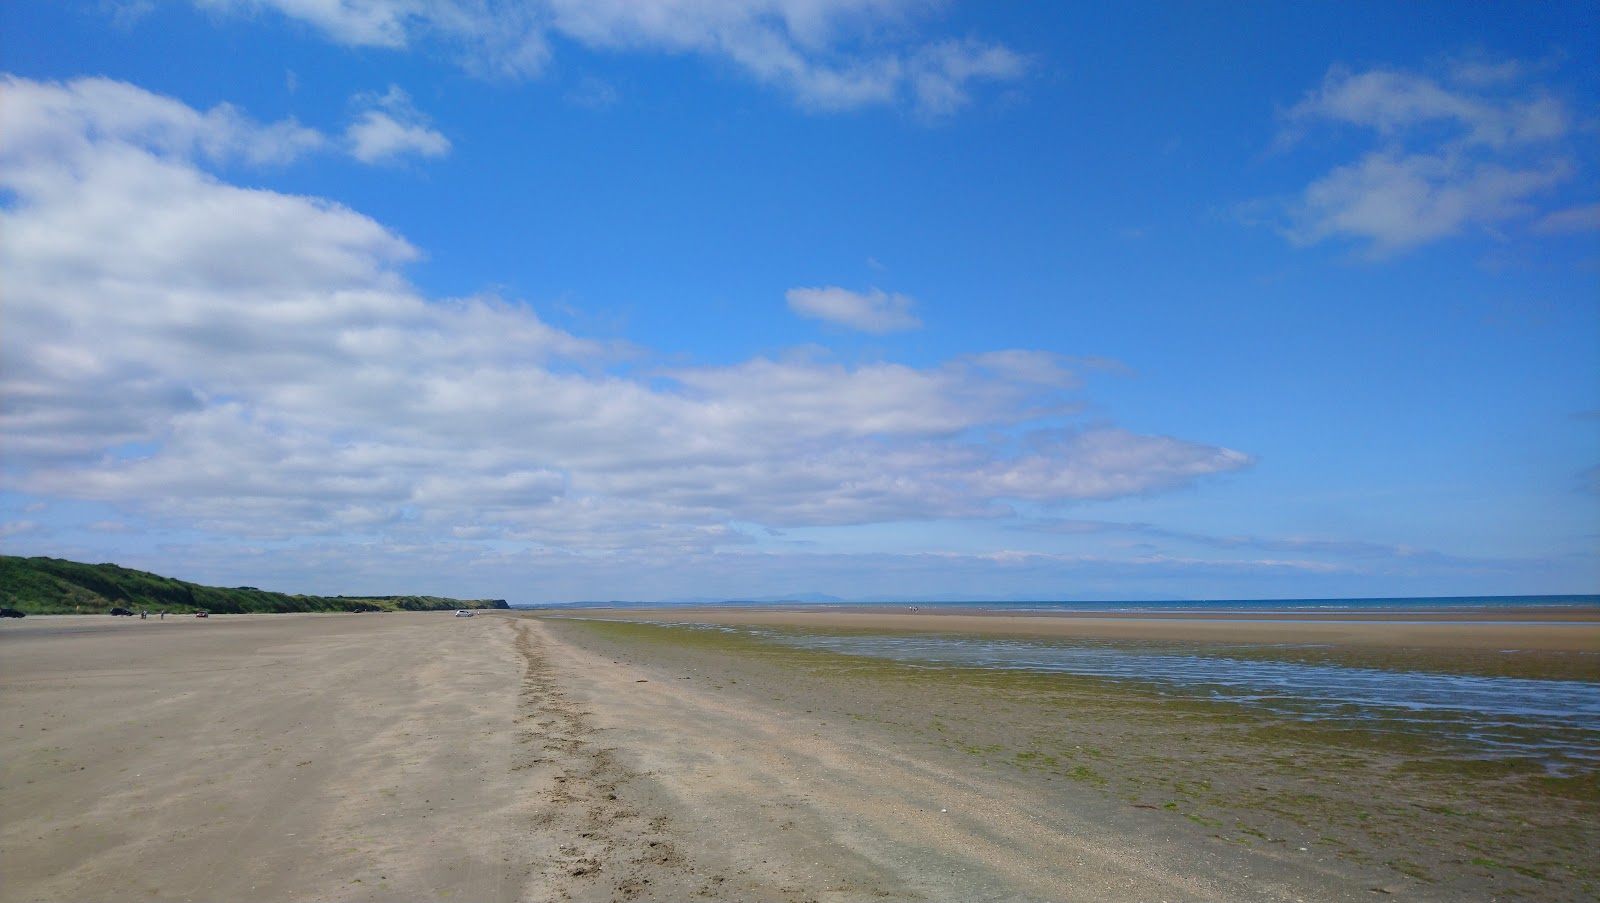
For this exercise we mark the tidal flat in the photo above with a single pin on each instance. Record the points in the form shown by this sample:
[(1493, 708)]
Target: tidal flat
[(1377, 789)]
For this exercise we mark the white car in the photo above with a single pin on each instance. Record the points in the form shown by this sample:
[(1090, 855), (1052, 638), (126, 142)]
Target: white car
[(463, 613)]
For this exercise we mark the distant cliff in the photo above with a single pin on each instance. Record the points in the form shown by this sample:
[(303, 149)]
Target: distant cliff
[(56, 586)]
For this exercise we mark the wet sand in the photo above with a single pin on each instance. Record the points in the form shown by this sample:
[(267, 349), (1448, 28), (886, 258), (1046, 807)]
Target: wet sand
[(1051, 787), (418, 756), (1546, 630)]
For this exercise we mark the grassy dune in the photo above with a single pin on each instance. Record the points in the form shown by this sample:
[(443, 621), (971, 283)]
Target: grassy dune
[(57, 586)]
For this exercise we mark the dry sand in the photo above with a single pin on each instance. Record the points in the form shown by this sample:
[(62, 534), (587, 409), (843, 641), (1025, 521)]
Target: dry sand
[(420, 756), (261, 757)]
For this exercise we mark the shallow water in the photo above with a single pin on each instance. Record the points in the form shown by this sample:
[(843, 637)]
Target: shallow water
[(1556, 722)]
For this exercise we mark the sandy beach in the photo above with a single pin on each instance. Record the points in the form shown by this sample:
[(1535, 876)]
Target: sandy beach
[(503, 757)]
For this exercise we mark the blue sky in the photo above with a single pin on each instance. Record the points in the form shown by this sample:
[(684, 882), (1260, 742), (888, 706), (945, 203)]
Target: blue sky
[(871, 298)]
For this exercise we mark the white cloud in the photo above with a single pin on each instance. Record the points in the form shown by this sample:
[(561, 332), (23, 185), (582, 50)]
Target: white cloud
[(43, 119), (1105, 463), (392, 127), (1393, 103), (254, 364), (367, 23), (830, 54), (939, 74), (87, 115), (1478, 151), (1402, 201), (1484, 73), (874, 312)]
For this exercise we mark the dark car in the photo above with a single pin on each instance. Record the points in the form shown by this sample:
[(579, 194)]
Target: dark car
[(11, 613), (122, 611)]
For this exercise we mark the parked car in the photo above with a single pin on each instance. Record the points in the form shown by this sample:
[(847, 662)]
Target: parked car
[(464, 613), (202, 614), (122, 611), (11, 613)]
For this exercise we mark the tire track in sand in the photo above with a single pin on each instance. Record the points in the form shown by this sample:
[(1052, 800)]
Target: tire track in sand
[(608, 840)]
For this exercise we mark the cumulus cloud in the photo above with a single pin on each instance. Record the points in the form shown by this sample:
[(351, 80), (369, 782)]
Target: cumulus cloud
[(392, 127), (1477, 149), (255, 364), (874, 312), (829, 54)]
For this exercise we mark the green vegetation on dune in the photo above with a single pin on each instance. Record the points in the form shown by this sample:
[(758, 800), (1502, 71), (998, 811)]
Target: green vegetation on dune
[(57, 586)]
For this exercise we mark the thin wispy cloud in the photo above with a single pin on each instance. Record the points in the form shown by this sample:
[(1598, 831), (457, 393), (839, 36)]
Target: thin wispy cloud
[(502, 38), (1585, 218), (594, 94), (827, 54), (1340, 548)]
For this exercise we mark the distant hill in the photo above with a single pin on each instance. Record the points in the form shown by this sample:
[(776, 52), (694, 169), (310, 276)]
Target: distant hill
[(56, 586)]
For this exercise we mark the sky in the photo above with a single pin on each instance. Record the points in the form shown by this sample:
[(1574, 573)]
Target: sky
[(648, 300)]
